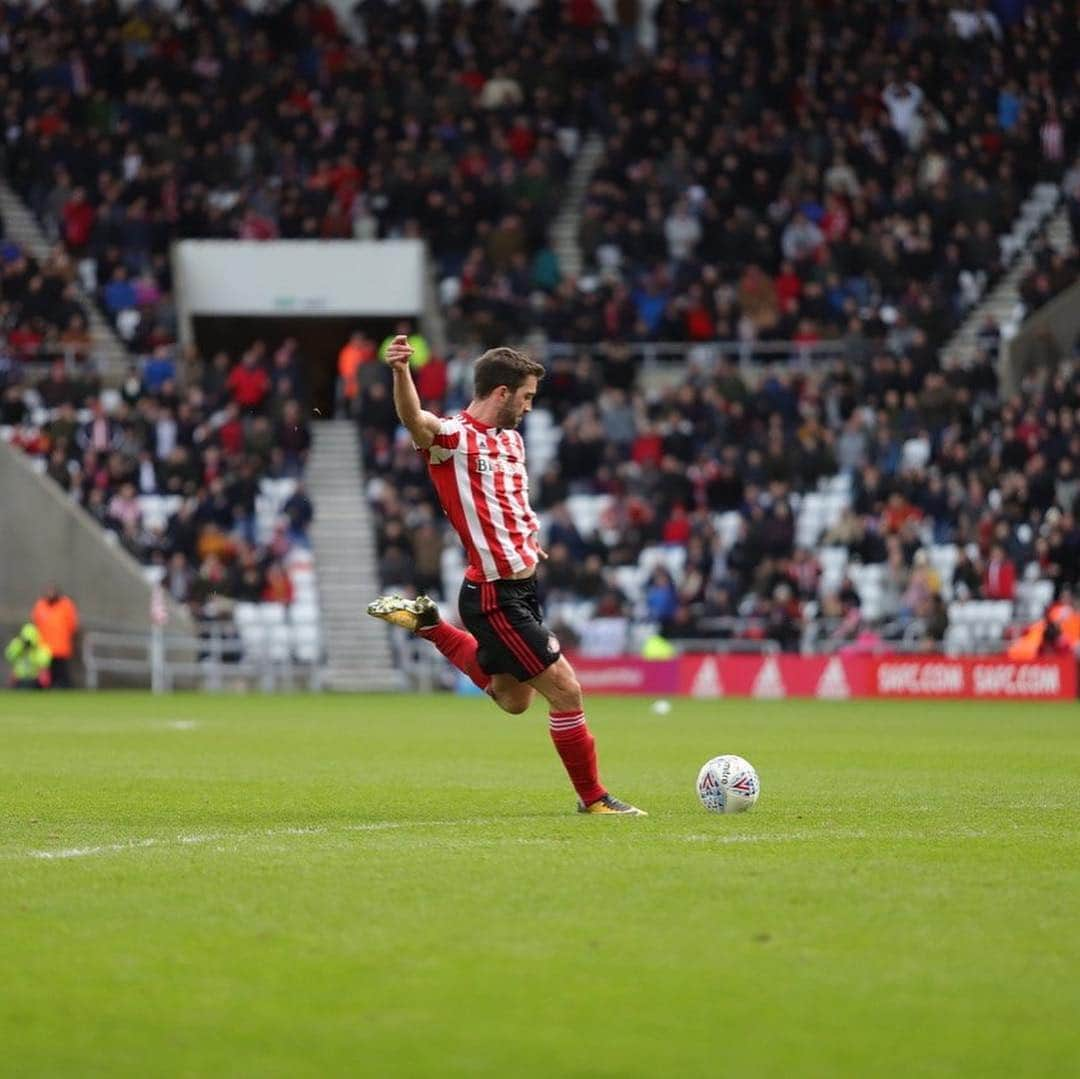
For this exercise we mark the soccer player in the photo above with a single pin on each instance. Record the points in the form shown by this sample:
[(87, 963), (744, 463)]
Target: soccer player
[(477, 463)]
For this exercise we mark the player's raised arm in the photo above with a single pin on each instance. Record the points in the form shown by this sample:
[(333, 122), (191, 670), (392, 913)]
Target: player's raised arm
[(423, 426)]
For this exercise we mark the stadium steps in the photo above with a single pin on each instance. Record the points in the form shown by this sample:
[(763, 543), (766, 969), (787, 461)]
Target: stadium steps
[(564, 230), (1039, 214), (342, 537), (109, 352)]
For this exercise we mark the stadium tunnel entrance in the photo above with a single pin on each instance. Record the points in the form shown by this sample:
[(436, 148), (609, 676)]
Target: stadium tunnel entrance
[(319, 340)]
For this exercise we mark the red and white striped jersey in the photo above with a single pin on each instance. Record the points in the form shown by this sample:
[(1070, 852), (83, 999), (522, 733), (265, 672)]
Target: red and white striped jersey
[(479, 474)]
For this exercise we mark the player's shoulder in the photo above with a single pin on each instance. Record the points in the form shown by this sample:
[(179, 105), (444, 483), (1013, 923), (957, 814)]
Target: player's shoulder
[(447, 438), (453, 425)]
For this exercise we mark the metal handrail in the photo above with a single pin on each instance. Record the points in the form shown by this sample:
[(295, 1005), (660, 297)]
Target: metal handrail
[(745, 353), (726, 645), (209, 657)]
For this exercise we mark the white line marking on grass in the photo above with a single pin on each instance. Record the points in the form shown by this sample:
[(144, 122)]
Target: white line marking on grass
[(86, 852), (794, 837), (198, 839), (202, 839), (182, 724)]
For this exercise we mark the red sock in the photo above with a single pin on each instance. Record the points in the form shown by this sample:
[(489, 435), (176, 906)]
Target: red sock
[(459, 647), (577, 748)]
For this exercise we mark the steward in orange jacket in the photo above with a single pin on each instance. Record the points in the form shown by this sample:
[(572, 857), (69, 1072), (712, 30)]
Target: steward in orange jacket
[(57, 620), (1059, 631)]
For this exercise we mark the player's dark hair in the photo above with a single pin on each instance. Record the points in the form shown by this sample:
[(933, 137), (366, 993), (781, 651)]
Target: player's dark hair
[(503, 367)]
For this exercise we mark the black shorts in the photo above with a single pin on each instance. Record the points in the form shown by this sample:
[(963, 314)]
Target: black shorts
[(504, 617)]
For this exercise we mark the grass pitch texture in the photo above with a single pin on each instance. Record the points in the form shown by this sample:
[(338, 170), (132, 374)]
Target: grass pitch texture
[(398, 886)]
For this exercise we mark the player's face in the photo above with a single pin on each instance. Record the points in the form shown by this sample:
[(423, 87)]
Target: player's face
[(518, 403)]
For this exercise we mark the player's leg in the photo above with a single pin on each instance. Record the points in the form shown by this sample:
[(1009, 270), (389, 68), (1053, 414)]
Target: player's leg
[(574, 741), (421, 616), (514, 640), (459, 646), (510, 694)]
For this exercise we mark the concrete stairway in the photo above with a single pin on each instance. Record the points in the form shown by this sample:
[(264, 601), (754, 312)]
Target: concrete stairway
[(109, 352), (1002, 302), (564, 230), (343, 542)]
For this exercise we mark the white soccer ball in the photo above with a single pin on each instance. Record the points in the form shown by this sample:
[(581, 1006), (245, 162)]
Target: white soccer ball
[(728, 784)]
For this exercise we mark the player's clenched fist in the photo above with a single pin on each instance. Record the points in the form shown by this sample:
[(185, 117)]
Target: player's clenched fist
[(398, 351)]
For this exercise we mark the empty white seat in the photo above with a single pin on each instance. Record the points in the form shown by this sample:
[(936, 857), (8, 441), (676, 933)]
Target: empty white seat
[(671, 557), (958, 639), (302, 576), (833, 559), (304, 611), (306, 644), (1032, 599), (279, 642), (728, 525), (246, 614), (586, 511), (629, 580)]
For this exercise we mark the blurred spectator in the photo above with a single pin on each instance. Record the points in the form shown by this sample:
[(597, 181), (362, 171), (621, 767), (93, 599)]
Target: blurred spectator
[(356, 352), (661, 598), (56, 618), (29, 659), (300, 513), (277, 588), (999, 579), (248, 383)]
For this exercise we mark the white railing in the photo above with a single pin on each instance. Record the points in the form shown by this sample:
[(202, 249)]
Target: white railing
[(215, 657), (661, 355)]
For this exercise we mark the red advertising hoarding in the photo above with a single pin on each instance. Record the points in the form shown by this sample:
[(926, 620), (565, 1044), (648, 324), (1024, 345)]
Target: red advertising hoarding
[(627, 674), (833, 677), (974, 678)]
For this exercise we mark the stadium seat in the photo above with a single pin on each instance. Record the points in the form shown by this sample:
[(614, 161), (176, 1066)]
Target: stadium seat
[(670, 556), (728, 526), (305, 641), (630, 581), (1032, 599), (834, 562), (604, 636), (274, 620), (586, 511)]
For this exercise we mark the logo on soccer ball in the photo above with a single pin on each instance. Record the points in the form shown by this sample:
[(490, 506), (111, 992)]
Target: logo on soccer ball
[(744, 784)]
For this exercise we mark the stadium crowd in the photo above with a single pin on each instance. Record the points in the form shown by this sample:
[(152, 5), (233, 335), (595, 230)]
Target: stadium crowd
[(719, 471), (41, 313), (128, 127), (777, 172), (176, 474), (831, 163)]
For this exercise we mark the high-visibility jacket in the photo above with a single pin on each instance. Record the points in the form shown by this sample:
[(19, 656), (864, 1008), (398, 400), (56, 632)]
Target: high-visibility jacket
[(658, 647), (27, 654), (421, 350), (350, 359), (1029, 643), (58, 623)]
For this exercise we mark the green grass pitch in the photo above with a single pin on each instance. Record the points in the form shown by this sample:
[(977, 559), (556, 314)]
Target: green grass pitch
[(398, 886)]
